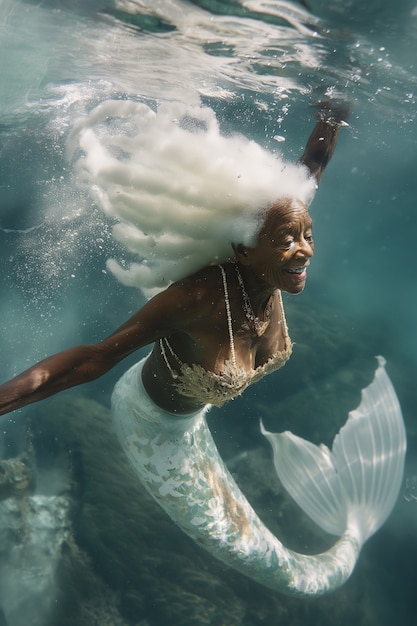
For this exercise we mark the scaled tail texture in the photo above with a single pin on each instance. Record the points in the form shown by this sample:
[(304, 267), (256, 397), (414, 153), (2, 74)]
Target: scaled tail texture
[(349, 491)]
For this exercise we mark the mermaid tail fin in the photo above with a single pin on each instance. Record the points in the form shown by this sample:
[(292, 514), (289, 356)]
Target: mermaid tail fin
[(356, 484)]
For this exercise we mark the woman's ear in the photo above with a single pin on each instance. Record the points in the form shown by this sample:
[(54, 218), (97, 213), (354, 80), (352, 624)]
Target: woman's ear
[(241, 253)]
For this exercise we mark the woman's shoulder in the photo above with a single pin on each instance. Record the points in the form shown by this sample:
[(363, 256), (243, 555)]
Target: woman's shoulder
[(199, 293), (205, 281)]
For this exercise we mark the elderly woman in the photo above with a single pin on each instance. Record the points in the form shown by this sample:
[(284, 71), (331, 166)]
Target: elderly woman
[(216, 332)]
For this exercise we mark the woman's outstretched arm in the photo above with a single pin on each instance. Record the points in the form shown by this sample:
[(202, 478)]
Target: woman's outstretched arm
[(84, 363), (53, 374), (322, 141)]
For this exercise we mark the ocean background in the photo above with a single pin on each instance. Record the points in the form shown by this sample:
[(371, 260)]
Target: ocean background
[(260, 65)]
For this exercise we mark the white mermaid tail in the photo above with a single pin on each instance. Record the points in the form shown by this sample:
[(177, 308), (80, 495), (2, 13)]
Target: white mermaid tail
[(349, 491)]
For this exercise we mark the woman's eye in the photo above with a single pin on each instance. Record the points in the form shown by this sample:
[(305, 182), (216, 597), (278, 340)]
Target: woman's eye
[(287, 244)]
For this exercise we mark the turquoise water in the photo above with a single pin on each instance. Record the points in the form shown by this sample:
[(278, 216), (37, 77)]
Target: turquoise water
[(259, 66)]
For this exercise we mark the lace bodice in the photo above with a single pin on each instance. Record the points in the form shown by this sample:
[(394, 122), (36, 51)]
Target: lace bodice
[(193, 381)]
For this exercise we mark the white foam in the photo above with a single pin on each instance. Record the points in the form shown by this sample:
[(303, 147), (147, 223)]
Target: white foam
[(180, 191)]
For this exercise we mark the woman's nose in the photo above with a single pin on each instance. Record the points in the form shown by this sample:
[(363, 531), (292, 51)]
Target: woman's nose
[(305, 248)]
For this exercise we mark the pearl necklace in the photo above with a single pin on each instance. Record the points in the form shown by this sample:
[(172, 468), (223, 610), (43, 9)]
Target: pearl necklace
[(259, 325)]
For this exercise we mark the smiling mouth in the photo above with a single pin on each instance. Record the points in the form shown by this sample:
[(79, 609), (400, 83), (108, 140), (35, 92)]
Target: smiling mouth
[(296, 270)]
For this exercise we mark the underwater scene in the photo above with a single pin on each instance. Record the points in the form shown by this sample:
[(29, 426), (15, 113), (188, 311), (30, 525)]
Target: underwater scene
[(110, 111)]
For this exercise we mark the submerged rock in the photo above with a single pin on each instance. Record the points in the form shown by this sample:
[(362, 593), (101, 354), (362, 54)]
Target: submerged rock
[(16, 477), (33, 530)]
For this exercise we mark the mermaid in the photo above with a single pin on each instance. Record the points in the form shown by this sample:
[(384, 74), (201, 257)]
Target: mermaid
[(219, 240)]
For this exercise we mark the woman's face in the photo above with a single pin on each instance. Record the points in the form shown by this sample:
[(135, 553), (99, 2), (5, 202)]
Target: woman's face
[(284, 247)]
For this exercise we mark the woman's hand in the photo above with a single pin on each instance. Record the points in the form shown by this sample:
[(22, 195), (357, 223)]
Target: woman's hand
[(336, 113), (322, 142)]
